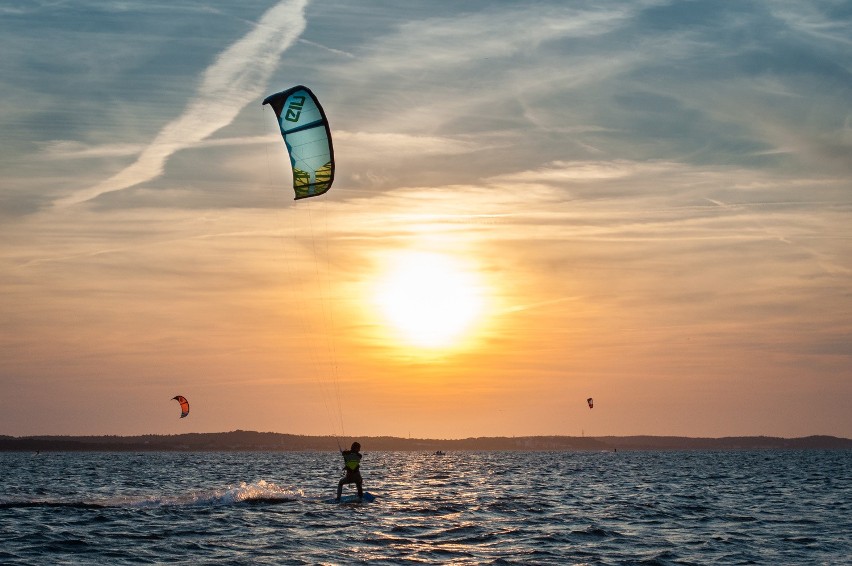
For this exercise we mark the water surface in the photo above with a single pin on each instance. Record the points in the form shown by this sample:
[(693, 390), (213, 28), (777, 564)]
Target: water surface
[(761, 507)]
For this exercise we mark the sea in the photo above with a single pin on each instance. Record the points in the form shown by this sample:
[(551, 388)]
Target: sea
[(732, 507)]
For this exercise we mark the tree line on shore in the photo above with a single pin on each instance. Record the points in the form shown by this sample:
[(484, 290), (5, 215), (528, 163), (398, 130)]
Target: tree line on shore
[(240, 440)]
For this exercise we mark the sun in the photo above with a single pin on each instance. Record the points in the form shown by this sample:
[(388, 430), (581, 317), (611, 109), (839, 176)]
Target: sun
[(429, 298)]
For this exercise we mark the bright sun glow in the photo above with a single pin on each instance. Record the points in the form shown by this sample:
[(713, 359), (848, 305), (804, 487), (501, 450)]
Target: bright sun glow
[(430, 299)]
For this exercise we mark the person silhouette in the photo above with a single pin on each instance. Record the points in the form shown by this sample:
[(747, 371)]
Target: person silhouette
[(352, 467)]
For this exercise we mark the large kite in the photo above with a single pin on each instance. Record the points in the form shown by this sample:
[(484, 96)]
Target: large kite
[(307, 137)]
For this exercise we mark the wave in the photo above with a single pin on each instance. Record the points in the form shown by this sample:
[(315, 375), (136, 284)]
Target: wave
[(260, 492), (47, 503)]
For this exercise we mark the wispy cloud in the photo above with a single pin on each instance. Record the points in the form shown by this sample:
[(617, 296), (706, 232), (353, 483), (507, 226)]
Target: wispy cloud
[(327, 48), (560, 171), (69, 149), (402, 144), (234, 80), (808, 18), (437, 41)]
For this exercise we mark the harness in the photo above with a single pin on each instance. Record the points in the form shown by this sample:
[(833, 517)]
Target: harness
[(352, 460)]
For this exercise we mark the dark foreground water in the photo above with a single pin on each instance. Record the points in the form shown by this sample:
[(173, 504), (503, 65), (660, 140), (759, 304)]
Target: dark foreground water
[(461, 508)]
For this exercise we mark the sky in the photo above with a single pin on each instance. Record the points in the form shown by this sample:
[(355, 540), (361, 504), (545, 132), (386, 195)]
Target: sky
[(644, 202)]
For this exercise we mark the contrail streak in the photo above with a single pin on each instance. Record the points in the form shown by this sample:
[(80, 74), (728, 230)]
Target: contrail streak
[(233, 80)]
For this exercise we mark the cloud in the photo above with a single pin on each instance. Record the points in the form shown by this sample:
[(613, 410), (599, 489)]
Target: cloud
[(455, 71), (69, 149), (233, 80), (326, 48), (445, 43), (806, 18), (402, 144), (559, 171)]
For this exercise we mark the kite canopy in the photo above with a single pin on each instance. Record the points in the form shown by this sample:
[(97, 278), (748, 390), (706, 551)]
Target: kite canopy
[(308, 139), (591, 402), (184, 405)]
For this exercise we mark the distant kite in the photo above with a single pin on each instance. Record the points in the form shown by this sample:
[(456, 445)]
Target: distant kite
[(184, 405), (590, 401)]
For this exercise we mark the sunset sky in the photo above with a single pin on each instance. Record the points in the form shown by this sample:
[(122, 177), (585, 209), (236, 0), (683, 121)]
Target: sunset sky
[(644, 202)]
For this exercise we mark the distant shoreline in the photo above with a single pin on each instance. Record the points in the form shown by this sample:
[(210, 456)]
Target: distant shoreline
[(248, 441)]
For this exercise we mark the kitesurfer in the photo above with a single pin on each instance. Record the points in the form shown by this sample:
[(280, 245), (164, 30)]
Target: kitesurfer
[(352, 467)]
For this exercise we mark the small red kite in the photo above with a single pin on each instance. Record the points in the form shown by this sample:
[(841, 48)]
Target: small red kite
[(184, 405)]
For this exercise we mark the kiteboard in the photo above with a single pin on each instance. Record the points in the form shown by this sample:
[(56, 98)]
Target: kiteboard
[(368, 498)]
